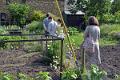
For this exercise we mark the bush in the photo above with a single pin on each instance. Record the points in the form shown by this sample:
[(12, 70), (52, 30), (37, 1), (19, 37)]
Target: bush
[(37, 16), (19, 12), (35, 27), (117, 17), (108, 18)]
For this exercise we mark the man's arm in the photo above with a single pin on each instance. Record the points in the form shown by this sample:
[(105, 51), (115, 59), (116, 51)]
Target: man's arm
[(44, 25)]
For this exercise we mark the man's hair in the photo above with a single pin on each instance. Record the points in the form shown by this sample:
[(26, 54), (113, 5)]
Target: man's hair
[(93, 21), (47, 15)]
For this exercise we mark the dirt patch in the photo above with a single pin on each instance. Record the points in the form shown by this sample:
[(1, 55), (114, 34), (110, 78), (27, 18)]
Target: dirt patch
[(30, 63), (19, 61), (110, 56)]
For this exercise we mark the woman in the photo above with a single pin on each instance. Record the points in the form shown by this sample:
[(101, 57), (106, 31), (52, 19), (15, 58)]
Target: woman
[(93, 31)]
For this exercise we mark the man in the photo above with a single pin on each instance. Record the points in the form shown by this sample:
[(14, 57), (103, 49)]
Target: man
[(52, 27), (45, 24)]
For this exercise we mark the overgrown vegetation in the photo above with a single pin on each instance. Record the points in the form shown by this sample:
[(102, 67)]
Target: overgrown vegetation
[(19, 12)]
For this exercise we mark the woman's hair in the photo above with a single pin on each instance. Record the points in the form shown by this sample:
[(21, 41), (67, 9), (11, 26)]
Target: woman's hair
[(59, 20), (93, 21)]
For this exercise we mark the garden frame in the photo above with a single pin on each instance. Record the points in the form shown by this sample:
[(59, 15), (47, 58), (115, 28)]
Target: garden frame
[(46, 39)]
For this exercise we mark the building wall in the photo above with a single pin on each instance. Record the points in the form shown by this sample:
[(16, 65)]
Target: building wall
[(44, 5)]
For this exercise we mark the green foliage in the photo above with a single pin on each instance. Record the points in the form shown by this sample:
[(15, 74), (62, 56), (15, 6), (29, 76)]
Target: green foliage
[(96, 73), (52, 55), (6, 76), (13, 27), (69, 74), (115, 6), (82, 5), (108, 32), (3, 45), (72, 31), (22, 76), (37, 16), (108, 18), (43, 76), (117, 17), (99, 7), (35, 27), (19, 12)]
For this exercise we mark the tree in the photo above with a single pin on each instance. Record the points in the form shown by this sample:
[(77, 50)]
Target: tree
[(115, 6), (98, 8), (82, 5)]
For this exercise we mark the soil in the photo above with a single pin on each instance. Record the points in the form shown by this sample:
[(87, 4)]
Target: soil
[(110, 56), (14, 61)]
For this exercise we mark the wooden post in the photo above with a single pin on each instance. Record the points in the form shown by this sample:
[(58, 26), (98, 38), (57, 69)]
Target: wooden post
[(61, 60)]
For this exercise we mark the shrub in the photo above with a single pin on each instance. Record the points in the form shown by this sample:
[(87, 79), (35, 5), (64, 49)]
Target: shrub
[(117, 17), (19, 12), (35, 27), (37, 15), (108, 18)]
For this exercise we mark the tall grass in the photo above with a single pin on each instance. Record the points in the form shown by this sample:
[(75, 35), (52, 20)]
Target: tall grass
[(108, 36)]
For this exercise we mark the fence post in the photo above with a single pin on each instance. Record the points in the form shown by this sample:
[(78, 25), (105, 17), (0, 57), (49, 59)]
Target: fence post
[(61, 60)]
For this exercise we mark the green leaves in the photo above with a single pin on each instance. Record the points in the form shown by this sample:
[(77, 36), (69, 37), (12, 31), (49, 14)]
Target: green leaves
[(19, 11), (96, 73), (43, 76), (35, 27), (37, 15), (6, 76), (69, 74)]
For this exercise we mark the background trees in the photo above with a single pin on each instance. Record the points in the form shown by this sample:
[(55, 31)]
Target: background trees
[(104, 10)]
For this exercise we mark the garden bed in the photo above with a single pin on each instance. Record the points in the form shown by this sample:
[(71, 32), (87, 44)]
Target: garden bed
[(19, 61), (14, 61)]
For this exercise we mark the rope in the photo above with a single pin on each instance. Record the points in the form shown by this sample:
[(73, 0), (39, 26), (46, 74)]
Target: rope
[(66, 31)]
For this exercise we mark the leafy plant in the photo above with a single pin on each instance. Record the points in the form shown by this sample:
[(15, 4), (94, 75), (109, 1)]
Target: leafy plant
[(37, 15), (52, 57), (6, 76), (72, 31), (117, 17), (69, 74), (96, 73), (22, 76), (19, 12), (43, 76), (35, 27)]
